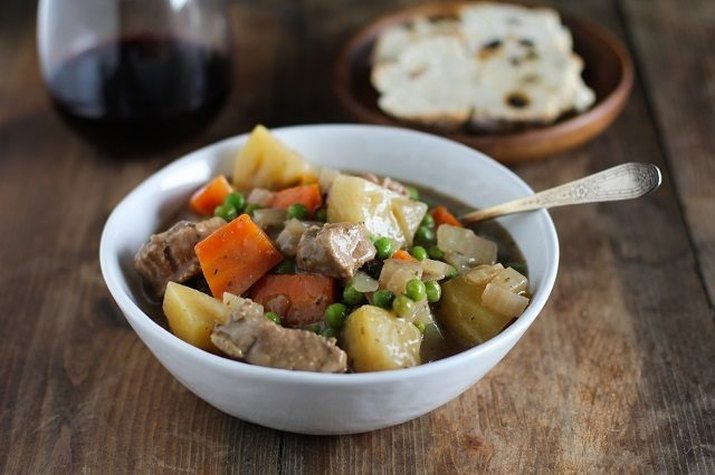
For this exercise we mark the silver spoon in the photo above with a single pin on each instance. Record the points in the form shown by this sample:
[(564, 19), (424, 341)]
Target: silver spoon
[(622, 182)]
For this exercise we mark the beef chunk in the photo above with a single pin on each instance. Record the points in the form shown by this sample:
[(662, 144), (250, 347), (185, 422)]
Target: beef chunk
[(249, 336), (169, 256), (336, 250)]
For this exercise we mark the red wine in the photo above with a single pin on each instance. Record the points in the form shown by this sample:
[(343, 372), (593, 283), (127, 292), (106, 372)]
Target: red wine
[(141, 92)]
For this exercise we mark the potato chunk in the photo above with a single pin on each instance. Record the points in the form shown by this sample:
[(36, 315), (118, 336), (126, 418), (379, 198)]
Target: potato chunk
[(193, 314), (462, 313), (356, 200), (381, 211), (265, 162), (377, 340)]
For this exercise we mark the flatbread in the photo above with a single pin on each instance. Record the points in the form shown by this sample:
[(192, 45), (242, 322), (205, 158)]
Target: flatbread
[(494, 67), (413, 87)]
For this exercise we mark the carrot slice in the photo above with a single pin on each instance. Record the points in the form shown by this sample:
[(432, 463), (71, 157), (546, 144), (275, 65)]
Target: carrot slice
[(402, 255), (300, 299), (209, 196), (235, 256), (307, 195), (442, 215)]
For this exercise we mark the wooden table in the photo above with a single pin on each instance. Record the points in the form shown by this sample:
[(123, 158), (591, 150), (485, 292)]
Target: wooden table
[(615, 375)]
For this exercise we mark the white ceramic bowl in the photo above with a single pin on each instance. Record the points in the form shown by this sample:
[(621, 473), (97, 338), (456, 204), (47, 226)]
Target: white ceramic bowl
[(316, 403)]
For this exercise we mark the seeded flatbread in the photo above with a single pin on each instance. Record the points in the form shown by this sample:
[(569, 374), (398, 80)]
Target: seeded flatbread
[(496, 67), (413, 87), (392, 42)]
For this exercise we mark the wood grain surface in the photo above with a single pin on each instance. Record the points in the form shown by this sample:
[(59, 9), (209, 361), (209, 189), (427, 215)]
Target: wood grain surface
[(616, 375)]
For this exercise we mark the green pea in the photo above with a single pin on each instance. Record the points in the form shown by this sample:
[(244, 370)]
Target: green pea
[(420, 326), (433, 291), (403, 306), (414, 193), (250, 208), (235, 199), (419, 253), (330, 333), (452, 272), (274, 317), (226, 211), (384, 248), (415, 289), (287, 266), (297, 211), (321, 214), (352, 296), (383, 298), (335, 315), (424, 235), (428, 221), (435, 253)]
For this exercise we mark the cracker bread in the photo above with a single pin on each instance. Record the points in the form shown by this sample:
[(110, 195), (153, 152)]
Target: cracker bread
[(413, 87), (496, 67), (394, 41)]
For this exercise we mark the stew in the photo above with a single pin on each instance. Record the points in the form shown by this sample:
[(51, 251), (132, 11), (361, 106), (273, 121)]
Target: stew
[(324, 270)]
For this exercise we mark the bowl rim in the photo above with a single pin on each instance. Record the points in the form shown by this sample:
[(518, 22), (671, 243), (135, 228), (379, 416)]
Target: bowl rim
[(599, 116), (113, 277)]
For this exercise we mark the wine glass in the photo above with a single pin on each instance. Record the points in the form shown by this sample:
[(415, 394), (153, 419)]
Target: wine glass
[(135, 74)]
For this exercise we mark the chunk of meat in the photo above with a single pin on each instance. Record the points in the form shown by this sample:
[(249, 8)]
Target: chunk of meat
[(249, 336), (389, 183), (170, 256), (336, 250), (288, 239)]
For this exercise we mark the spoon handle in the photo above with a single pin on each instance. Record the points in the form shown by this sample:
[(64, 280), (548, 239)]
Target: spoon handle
[(622, 182)]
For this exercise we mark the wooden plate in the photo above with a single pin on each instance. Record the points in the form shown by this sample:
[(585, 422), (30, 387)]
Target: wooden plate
[(608, 71)]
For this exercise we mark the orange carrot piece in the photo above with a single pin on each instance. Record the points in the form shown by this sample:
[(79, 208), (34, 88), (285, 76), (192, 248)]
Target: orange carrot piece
[(235, 256), (307, 195), (442, 215), (209, 196), (402, 255), (300, 299)]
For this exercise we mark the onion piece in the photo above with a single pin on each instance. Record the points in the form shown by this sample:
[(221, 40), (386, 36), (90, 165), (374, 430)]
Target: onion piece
[(288, 239), (269, 217), (502, 301), (396, 273), (260, 197), (453, 239), (364, 283), (511, 280), (462, 263), (326, 177), (434, 270), (422, 313), (483, 274)]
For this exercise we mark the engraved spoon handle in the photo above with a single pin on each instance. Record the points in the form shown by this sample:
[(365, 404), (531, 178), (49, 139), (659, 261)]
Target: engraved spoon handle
[(622, 182)]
